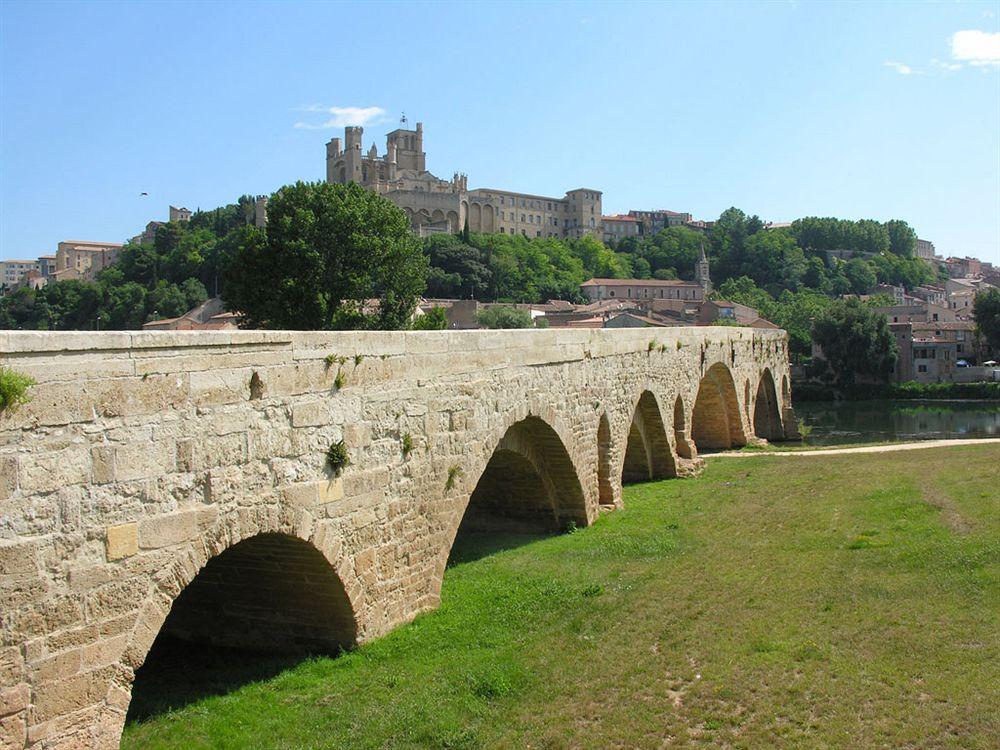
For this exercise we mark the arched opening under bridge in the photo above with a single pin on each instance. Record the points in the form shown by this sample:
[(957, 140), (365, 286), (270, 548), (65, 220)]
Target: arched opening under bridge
[(529, 488), (716, 423), (647, 450), (253, 610), (766, 418)]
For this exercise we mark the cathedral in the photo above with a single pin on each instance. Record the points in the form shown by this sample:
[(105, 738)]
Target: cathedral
[(435, 205)]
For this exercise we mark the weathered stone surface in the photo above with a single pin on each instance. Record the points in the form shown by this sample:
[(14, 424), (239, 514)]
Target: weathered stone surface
[(173, 528), (122, 540), (144, 456)]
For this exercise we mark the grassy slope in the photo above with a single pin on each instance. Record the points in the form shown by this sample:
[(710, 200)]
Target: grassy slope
[(846, 601)]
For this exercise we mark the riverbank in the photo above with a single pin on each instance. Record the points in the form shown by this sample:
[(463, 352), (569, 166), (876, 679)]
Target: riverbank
[(780, 450), (802, 392), (837, 423), (844, 601)]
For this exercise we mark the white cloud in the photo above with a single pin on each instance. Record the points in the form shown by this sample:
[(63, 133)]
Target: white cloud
[(903, 70), (976, 47), (342, 116), (949, 66)]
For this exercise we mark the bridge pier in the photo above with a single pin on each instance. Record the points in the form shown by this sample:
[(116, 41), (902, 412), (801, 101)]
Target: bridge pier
[(176, 482)]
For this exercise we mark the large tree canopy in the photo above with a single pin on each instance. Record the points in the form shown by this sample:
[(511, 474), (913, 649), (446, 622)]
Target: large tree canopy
[(332, 257), (856, 342)]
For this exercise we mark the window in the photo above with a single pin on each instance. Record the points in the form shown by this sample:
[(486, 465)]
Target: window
[(630, 291), (522, 217), (921, 368), (611, 293), (538, 233)]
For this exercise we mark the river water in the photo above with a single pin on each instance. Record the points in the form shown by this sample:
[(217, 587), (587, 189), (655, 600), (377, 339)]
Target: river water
[(841, 422)]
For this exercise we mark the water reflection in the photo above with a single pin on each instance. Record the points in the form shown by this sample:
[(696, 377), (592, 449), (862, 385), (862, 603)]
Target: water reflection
[(835, 423)]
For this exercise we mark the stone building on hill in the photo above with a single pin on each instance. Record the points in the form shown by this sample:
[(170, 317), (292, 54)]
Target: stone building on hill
[(436, 205)]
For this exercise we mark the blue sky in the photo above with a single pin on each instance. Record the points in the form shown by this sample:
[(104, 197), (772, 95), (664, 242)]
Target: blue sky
[(784, 109)]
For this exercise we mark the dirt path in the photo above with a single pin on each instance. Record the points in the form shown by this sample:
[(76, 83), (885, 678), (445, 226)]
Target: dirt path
[(863, 449)]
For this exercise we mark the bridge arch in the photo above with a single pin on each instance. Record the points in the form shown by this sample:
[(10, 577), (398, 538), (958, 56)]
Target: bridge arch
[(249, 585), (766, 415), (647, 449), (683, 446), (716, 422), (530, 485), (605, 488)]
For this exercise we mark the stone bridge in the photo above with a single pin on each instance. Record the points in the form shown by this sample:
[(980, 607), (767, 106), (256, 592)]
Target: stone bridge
[(176, 486)]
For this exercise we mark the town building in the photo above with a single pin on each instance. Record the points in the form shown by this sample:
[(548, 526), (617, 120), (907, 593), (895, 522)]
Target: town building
[(13, 272), (76, 259), (603, 289), (179, 214), (433, 204), (958, 268), (210, 315), (924, 249), (930, 352), (651, 222), (619, 227), (47, 265), (917, 312)]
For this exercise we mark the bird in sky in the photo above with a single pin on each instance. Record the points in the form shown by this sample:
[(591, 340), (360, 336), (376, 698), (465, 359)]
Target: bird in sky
[(142, 194)]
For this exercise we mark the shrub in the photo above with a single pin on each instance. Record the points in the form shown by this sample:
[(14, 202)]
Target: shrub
[(504, 317), (454, 472), (13, 389), (337, 458)]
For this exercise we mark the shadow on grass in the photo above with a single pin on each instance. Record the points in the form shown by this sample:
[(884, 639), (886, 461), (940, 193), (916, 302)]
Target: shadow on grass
[(474, 545), (177, 673)]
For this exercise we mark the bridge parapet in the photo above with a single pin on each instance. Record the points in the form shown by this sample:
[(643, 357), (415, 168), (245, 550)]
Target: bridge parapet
[(142, 457)]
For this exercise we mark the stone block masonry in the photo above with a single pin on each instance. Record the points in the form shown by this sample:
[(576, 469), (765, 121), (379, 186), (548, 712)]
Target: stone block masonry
[(175, 482)]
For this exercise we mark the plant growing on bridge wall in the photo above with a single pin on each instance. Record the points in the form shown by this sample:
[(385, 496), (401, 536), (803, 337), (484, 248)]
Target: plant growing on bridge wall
[(13, 389), (340, 381), (337, 458), (650, 346), (454, 472), (407, 444), (358, 358), (333, 359)]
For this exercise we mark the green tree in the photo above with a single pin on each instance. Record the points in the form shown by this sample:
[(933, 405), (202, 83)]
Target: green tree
[(773, 260), (194, 292), (327, 251), (166, 300), (986, 309), (598, 260), (902, 238), (503, 317), (25, 309), (435, 319), (860, 274), (124, 306), (457, 270), (856, 342)]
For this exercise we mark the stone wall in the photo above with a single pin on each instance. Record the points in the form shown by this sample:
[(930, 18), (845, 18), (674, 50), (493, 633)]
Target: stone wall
[(143, 456)]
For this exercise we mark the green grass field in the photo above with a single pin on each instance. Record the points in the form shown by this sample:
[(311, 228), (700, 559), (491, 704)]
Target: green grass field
[(840, 601)]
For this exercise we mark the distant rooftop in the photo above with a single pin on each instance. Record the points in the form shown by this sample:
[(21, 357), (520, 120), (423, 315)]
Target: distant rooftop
[(640, 282)]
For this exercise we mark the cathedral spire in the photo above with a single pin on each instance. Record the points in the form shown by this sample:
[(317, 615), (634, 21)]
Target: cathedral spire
[(701, 271)]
